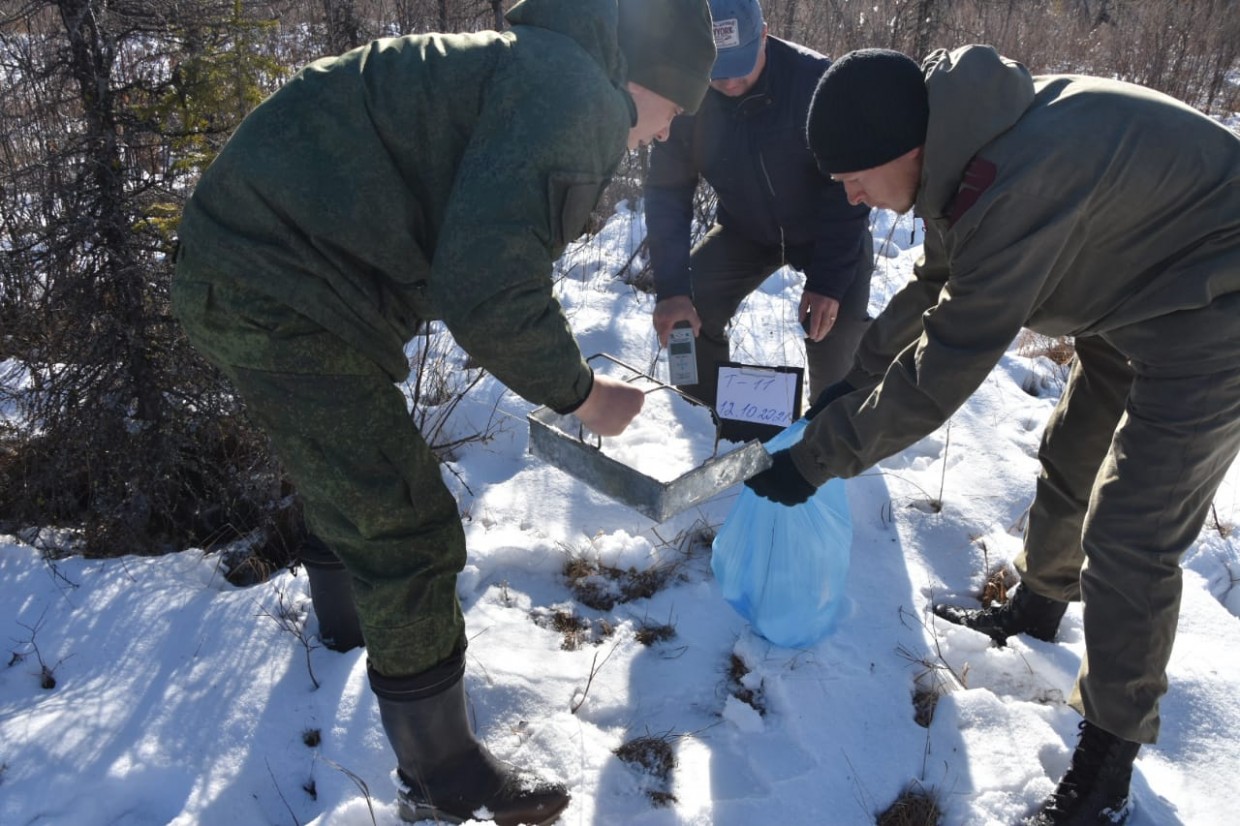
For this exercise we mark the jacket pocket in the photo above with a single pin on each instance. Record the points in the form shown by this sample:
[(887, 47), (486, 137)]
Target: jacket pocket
[(572, 197)]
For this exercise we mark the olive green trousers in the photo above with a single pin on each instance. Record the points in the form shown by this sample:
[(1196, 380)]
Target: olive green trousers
[(371, 486), (727, 268), (1131, 459)]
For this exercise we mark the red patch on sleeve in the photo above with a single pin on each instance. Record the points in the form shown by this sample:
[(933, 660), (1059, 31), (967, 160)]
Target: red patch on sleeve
[(978, 176)]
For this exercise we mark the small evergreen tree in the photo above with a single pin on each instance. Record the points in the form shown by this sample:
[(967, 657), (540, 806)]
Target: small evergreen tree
[(120, 428)]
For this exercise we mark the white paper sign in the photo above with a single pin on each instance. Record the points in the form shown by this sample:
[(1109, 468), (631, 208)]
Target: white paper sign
[(758, 395)]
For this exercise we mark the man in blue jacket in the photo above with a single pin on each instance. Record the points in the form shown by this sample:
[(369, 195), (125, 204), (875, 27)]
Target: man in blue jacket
[(775, 207)]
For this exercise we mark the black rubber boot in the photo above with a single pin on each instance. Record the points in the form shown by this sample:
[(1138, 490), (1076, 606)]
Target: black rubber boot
[(1025, 613), (331, 591), (1094, 790), (446, 774)]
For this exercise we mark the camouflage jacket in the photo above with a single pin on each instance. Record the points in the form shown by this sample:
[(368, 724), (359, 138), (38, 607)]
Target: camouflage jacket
[(1069, 205), (429, 177)]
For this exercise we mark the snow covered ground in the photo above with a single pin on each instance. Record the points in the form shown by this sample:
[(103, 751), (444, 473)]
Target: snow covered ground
[(181, 699)]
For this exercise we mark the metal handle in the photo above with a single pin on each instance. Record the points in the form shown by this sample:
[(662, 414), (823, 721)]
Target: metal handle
[(662, 385)]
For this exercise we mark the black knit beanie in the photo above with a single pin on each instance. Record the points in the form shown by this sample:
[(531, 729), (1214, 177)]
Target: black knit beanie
[(669, 46), (870, 108)]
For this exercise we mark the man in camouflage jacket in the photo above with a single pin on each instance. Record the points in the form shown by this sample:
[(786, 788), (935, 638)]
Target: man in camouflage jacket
[(1073, 206), (428, 177)]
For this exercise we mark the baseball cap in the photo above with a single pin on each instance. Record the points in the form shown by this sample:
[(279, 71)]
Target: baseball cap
[(738, 35)]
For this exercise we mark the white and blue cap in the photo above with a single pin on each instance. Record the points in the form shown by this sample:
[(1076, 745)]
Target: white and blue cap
[(738, 36)]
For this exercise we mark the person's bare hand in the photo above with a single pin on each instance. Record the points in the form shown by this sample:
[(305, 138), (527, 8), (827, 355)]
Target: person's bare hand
[(670, 310), (611, 406), (820, 311)]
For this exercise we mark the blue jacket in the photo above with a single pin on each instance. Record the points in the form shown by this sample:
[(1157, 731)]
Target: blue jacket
[(752, 150)]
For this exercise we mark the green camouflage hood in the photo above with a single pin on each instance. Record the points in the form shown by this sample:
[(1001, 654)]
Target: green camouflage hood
[(592, 23)]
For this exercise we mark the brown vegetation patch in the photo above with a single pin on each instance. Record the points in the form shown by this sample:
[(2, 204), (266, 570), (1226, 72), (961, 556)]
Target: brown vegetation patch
[(649, 634), (601, 587), (655, 757), (577, 631), (754, 698), (925, 700), (1034, 345), (999, 582), (914, 807)]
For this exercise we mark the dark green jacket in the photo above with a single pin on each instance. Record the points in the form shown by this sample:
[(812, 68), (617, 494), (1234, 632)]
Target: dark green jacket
[(428, 177), (1070, 205)]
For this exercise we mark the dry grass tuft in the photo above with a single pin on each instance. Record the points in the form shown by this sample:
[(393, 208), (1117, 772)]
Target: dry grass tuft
[(654, 756), (1033, 345), (649, 634), (925, 700), (601, 587), (914, 807), (999, 582), (754, 698), (577, 631)]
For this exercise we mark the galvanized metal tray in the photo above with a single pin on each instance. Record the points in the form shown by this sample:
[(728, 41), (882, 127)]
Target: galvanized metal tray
[(561, 442)]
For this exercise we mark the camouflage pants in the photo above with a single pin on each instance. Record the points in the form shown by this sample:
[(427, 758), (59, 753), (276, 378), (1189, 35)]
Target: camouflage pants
[(1131, 459), (726, 269), (371, 487)]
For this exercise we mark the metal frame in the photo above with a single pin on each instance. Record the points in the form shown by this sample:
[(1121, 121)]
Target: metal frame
[(657, 500)]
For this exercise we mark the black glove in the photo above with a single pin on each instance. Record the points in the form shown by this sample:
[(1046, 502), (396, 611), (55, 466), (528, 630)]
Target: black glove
[(833, 392), (781, 482)]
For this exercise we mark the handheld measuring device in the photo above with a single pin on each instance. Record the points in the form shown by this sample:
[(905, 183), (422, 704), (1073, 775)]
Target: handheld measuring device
[(682, 355)]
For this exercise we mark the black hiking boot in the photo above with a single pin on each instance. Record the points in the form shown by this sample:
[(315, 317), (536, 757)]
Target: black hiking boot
[(445, 774), (1025, 613), (1094, 790)]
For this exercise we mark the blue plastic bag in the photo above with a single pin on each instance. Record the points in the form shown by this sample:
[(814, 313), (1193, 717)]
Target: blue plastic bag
[(783, 568)]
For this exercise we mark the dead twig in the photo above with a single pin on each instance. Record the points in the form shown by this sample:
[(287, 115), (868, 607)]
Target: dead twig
[(595, 667), (288, 619), (47, 673)]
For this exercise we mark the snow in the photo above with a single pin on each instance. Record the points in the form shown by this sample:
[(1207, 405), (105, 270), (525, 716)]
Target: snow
[(673, 436), (181, 699)]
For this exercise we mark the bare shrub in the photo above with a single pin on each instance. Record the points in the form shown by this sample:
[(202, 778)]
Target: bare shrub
[(1189, 49), (292, 621), (934, 678), (115, 425), (1059, 349)]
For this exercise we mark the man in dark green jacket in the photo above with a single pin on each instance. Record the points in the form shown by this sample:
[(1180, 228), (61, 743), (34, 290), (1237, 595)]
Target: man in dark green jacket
[(428, 177), (1074, 206)]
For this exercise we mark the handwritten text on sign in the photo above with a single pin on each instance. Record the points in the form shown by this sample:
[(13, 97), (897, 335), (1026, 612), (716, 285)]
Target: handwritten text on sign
[(751, 394)]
